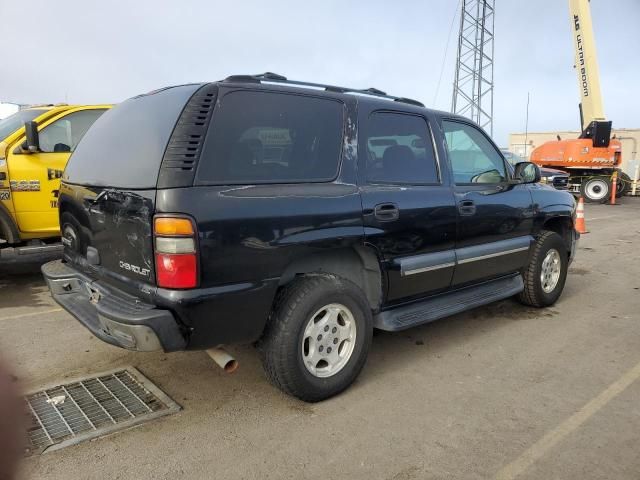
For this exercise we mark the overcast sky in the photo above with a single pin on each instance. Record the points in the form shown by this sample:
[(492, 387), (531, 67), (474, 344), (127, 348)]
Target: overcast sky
[(89, 52)]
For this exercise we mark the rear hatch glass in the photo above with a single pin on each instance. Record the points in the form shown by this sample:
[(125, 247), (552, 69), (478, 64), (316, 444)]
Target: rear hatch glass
[(124, 148)]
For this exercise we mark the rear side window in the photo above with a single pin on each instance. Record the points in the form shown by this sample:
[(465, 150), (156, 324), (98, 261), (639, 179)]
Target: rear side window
[(399, 150), (264, 137)]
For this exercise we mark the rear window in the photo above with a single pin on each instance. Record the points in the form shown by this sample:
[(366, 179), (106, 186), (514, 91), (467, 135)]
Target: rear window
[(265, 137), (400, 150), (125, 146)]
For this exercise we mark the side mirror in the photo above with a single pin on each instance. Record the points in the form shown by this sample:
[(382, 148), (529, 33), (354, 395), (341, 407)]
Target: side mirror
[(32, 143), (527, 172)]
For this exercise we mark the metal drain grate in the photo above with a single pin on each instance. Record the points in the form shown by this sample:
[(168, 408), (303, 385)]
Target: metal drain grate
[(91, 407)]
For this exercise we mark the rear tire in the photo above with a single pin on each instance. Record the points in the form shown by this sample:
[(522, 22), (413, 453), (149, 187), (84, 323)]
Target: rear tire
[(546, 274), (596, 189), (71, 233), (623, 183), (317, 337)]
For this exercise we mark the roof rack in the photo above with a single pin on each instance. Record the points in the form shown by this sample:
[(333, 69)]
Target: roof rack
[(271, 77)]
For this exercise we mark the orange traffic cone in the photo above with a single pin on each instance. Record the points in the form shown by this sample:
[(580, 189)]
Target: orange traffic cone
[(580, 225), (614, 186)]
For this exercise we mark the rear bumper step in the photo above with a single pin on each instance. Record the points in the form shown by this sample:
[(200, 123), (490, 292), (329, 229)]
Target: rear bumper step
[(448, 304), (111, 315)]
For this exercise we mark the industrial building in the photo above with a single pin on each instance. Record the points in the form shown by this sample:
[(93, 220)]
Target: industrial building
[(524, 143)]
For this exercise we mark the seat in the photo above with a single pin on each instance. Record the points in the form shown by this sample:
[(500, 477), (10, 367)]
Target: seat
[(242, 161), (397, 160), (61, 148)]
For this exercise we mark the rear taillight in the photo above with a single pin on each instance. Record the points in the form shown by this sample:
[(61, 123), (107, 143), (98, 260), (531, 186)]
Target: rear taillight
[(176, 255)]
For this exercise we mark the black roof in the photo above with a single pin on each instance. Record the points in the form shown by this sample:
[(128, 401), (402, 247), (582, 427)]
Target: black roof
[(373, 94)]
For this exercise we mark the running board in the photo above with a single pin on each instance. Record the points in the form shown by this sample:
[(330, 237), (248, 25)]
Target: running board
[(447, 304), (31, 253)]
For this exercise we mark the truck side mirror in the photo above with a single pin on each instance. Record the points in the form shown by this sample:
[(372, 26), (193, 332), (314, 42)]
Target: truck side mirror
[(32, 143), (527, 172)]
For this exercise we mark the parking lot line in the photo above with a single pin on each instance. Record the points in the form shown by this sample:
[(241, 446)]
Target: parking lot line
[(21, 315), (601, 218), (552, 438)]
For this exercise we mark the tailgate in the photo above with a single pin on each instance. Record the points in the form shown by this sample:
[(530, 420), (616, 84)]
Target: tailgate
[(109, 228)]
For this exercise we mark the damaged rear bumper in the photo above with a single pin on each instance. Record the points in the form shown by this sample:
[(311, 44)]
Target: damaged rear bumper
[(112, 315)]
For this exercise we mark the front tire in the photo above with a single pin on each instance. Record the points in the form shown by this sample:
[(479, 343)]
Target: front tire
[(317, 337), (546, 274)]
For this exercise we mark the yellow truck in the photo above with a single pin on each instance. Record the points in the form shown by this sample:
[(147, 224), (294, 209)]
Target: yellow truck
[(35, 145)]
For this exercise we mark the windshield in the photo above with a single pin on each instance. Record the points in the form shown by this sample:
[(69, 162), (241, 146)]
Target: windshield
[(15, 121)]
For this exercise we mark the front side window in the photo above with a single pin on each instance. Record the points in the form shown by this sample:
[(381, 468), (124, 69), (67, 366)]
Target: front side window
[(264, 137), (473, 158), (64, 134), (399, 150)]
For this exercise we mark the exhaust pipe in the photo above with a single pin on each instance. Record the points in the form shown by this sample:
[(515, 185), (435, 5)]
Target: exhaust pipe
[(223, 359)]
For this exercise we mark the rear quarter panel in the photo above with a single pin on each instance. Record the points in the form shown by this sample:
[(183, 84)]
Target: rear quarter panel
[(249, 234), (247, 237)]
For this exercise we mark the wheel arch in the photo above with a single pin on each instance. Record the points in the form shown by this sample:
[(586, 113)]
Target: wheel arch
[(358, 264), (8, 228), (563, 226), (65, 206)]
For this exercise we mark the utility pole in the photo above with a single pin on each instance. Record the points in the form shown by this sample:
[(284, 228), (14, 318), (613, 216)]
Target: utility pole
[(473, 83)]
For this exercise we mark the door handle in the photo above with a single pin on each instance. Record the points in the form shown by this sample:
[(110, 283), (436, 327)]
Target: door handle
[(386, 212), (467, 207)]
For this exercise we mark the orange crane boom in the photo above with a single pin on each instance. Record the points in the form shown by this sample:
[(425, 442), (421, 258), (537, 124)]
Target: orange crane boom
[(592, 158)]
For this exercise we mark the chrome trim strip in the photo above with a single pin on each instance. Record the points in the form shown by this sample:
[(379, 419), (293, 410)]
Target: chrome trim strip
[(428, 269), (426, 262), (450, 258), (499, 247), (492, 255)]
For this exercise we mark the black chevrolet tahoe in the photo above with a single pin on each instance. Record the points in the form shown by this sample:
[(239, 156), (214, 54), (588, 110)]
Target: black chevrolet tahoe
[(299, 217)]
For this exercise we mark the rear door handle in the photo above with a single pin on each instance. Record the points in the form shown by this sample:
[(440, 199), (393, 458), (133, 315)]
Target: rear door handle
[(467, 207), (386, 212)]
